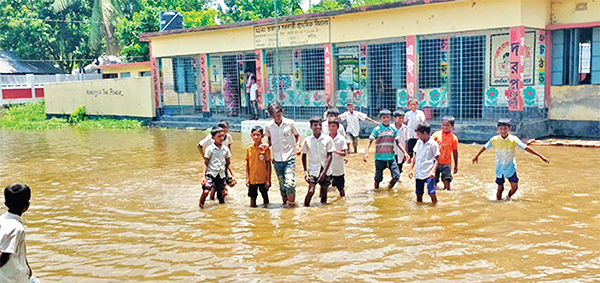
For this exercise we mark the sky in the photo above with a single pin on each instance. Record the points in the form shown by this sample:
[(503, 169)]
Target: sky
[(304, 3)]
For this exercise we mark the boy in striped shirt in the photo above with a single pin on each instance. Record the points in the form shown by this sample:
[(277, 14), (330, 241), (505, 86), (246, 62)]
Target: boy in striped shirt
[(385, 137)]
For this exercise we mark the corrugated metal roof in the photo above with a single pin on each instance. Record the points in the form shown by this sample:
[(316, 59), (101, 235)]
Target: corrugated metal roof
[(11, 64)]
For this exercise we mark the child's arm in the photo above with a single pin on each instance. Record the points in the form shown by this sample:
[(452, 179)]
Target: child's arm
[(227, 162), (406, 156), (304, 166), (201, 150), (411, 173), (455, 155), (248, 173), (326, 168), (367, 150), (268, 183), (371, 120), (340, 152), (435, 165), (204, 168), (476, 158), (532, 151)]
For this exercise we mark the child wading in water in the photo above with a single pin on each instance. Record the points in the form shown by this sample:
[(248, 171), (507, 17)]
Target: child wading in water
[(319, 148), (402, 136), (13, 260), (506, 163), (413, 118), (283, 138), (258, 168), (228, 142), (385, 136), (353, 118), (448, 143), (338, 157), (425, 161), (216, 164)]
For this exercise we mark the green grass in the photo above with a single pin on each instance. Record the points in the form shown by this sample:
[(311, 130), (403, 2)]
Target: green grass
[(32, 116)]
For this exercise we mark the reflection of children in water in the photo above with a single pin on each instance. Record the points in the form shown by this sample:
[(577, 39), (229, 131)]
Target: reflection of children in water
[(229, 95)]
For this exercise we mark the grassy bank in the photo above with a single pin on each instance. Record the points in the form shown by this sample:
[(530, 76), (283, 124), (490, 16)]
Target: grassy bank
[(32, 116)]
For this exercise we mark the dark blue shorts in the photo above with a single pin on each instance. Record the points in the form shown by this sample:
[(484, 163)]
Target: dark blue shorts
[(512, 179), (421, 186), (381, 165)]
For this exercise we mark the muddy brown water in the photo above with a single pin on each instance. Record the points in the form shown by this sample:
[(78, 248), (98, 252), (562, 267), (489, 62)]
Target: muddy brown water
[(121, 206)]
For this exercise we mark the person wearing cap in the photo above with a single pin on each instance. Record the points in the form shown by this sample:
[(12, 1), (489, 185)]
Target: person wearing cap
[(353, 119), (506, 163)]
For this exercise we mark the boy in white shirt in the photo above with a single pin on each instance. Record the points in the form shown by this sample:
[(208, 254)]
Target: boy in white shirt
[(426, 158), (13, 260), (413, 119), (332, 113), (338, 158), (402, 136), (283, 137), (216, 164), (353, 119), (319, 148), (228, 142)]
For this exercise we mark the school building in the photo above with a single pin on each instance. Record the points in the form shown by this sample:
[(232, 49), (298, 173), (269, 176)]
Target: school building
[(534, 61)]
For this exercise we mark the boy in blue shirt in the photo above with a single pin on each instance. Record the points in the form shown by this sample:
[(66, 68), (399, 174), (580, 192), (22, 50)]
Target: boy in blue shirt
[(506, 163), (385, 137)]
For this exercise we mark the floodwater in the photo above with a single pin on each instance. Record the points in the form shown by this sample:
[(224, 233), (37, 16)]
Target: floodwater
[(122, 206)]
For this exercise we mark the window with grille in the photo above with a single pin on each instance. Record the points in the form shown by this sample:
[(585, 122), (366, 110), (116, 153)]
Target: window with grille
[(313, 69), (430, 56)]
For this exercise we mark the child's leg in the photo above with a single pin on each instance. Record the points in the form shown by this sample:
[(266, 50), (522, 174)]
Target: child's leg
[(219, 187), (203, 197), (339, 182), (431, 189), (212, 194), (514, 184), (279, 171), (513, 189), (264, 193), (500, 182), (289, 183), (395, 172), (379, 166), (252, 193), (446, 174), (420, 189), (438, 172), (355, 143), (324, 186), (309, 193)]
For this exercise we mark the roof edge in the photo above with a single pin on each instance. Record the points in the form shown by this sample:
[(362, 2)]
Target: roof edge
[(123, 65), (400, 4)]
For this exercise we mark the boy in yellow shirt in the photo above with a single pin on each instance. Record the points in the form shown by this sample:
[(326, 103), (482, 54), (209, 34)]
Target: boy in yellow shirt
[(258, 168)]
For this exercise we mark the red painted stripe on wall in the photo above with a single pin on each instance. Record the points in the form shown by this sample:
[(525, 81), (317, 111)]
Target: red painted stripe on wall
[(16, 93), (39, 92)]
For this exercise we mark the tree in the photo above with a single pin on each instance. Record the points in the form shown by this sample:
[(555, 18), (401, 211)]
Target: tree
[(248, 10), (37, 33), (146, 19), (105, 14)]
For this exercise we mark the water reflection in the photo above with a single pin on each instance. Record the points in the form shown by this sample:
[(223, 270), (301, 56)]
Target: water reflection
[(122, 206)]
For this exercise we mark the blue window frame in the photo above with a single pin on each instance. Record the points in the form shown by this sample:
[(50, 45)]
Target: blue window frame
[(576, 56)]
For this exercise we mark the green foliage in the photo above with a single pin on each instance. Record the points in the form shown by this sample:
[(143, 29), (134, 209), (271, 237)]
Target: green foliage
[(248, 10), (32, 116), (77, 116), (326, 5), (35, 32)]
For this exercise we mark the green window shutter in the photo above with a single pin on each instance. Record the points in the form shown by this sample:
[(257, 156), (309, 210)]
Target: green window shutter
[(596, 56), (558, 57)]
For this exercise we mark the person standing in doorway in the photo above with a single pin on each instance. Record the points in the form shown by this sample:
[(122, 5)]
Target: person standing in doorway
[(253, 102)]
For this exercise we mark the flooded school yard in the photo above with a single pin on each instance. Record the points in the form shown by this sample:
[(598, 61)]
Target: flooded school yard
[(122, 206)]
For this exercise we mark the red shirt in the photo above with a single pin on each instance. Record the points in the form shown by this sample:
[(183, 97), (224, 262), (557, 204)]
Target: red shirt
[(448, 143)]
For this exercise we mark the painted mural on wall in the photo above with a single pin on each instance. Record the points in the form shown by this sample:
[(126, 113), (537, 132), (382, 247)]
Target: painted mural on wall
[(435, 97), (534, 75), (500, 56)]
